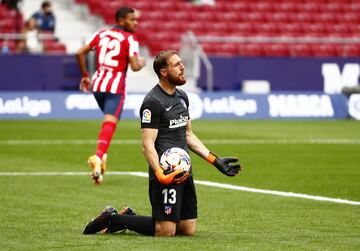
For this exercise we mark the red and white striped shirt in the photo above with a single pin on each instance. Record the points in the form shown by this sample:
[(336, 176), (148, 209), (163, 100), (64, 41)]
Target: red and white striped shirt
[(113, 48)]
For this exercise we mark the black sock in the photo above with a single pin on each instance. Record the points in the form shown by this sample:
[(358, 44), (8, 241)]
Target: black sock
[(141, 224)]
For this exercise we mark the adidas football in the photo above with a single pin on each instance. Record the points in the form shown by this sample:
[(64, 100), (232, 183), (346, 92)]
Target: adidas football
[(174, 159)]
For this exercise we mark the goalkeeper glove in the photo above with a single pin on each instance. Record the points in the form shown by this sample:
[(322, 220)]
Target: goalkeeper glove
[(181, 177), (224, 165), (167, 178)]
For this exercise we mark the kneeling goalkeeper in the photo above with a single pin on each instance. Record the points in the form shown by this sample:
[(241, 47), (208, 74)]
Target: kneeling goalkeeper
[(165, 123)]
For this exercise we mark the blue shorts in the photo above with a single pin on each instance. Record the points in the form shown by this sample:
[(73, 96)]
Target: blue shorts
[(110, 103)]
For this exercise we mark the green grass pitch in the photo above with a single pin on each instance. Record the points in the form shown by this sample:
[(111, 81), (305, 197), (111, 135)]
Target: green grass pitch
[(309, 157)]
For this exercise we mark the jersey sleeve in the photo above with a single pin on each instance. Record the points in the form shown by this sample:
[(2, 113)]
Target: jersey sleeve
[(150, 113), (184, 96), (93, 40), (186, 99), (133, 46)]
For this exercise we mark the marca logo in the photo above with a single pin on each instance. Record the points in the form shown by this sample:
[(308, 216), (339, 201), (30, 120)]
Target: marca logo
[(175, 123), (335, 80), (300, 106), (81, 102), (25, 105)]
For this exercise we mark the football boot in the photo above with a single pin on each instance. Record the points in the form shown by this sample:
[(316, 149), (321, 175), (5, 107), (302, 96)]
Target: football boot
[(95, 163), (103, 164), (101, 222)]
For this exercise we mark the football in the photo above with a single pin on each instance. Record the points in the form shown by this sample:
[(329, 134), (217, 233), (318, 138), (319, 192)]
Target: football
[(174, 159)]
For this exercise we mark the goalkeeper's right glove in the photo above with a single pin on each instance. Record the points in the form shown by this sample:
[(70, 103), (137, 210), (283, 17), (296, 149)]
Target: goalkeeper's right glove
[(223, 164), (166, 178)]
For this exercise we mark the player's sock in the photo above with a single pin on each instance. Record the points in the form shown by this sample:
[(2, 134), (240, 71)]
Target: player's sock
[(105, 135), (141, 224)]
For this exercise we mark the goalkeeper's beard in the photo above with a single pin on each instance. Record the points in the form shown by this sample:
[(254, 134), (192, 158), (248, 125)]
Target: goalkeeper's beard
[(177, 81)]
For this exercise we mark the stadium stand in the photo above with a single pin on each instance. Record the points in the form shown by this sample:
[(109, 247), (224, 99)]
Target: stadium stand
[(330, 23), (53, 46), (295, 28), (11, 23), (73, 27)]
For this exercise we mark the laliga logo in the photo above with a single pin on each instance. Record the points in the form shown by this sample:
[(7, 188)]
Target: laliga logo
[(354, 106), (25, 105), (221, 105)]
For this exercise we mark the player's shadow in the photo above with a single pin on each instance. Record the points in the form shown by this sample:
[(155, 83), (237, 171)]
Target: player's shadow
[(126, 233)]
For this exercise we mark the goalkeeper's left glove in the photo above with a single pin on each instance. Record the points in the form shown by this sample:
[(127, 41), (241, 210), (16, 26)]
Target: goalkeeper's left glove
[(181, 177), (225, 165)]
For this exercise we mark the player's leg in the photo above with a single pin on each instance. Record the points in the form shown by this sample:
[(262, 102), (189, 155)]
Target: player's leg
[(165, 212), (95, 161), (166, 207), (187, 223), (186, 227), (106, 134), (141, 224), (112, 110), (176, 202), (166, 202), (111, 105), (165, 228), (109, 221)]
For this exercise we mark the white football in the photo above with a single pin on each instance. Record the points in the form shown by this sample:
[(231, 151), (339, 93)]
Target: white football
[(174, 159)]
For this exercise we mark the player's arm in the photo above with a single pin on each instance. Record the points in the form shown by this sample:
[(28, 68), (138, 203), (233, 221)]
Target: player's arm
[(226, 165), (85, 81), (148, 139), (136, 63)]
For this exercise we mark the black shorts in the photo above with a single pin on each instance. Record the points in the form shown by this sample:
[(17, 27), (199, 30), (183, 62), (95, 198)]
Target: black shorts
[(173, 202), (110, 103)]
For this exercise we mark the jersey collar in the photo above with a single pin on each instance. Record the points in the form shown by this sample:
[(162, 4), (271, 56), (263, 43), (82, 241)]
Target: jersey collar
[(163, 91), (119, 27)]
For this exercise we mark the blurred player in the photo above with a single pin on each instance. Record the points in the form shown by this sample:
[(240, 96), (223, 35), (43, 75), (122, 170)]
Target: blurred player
[(116, 48), (165, 123)]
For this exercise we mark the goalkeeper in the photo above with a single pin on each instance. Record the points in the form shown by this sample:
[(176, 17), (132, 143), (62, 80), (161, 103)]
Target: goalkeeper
[(165, 123)]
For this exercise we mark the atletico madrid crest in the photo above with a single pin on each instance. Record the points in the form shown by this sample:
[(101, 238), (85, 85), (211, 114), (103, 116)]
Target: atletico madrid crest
[(168, 210)]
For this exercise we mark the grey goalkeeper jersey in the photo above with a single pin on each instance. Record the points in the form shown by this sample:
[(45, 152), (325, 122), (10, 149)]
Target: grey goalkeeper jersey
[(169, 114)]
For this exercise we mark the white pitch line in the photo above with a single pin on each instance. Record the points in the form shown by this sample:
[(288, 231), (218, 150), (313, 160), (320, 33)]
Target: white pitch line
[(311, 141), (200, 182), (277, 193)]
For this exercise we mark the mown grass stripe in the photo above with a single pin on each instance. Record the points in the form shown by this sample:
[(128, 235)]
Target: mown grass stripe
[(200, 182), (206, 141)]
